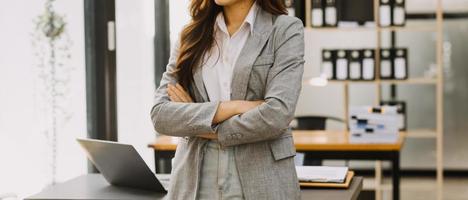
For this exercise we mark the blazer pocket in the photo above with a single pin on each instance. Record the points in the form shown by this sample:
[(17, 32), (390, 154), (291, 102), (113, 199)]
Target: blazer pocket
[(283, 147), (264, 60)]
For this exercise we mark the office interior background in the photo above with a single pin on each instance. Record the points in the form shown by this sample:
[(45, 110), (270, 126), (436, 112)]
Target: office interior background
[(37, 150)]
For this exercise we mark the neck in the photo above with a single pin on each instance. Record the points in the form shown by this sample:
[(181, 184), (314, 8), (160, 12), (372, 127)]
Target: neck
[(235, 14)]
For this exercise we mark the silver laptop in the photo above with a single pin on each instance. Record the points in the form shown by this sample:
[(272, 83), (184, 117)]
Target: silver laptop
[(121, 165)]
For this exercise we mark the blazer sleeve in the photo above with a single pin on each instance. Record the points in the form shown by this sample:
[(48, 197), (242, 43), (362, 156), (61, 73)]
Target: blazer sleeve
[(284, 81), (175, 118)]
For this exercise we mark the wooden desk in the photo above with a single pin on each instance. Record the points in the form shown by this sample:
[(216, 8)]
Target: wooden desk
[(305, 141), (314, 144), (94, 186)]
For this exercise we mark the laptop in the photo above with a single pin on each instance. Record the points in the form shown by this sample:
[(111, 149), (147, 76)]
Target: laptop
[(121, 165)]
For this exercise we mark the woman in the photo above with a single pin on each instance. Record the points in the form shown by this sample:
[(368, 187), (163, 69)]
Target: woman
[(230, 92)]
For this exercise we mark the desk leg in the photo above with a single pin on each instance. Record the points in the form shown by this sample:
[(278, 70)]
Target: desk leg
[(157, 162), (396, 175), (162, 161)]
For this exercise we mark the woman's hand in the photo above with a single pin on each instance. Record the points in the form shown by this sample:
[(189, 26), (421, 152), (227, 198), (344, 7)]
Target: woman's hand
[(226, 109), (178, 94)]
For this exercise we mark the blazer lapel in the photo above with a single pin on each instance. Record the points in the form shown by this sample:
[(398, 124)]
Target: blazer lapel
[(262, 29), (198, 79)]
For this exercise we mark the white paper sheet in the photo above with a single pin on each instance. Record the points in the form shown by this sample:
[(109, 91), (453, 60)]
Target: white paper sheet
[(321, 174)]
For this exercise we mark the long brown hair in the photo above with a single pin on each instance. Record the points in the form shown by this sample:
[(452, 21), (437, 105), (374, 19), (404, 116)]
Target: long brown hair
[(197, 37)]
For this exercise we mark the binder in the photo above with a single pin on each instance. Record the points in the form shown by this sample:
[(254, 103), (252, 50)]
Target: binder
[(400, 63), (399, 13), (341, 65), (385, 14), (386, 64), (331, 13), (355, 66), (289, 4), (328, 64), (317, 13), (368, 64), (359, 12)]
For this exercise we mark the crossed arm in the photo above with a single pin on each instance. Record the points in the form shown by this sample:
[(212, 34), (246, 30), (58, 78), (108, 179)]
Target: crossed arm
[(237, 122), (225, 110)]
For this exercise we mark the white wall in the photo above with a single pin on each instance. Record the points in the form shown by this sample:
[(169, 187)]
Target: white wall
[(24, 154), (135, 74)]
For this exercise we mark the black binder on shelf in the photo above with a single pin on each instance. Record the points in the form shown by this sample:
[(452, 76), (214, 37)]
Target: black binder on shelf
[(355, 64), (400, 63), (386, 64), (317, 13), (398, 13), (342, 65), (385, 13), (368, 64), (296, 9), (328, 63), (401, 110), (331, 13), (359, 11)]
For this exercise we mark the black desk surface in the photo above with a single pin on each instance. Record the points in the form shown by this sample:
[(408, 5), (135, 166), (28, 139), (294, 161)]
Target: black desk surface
[(94, 186)]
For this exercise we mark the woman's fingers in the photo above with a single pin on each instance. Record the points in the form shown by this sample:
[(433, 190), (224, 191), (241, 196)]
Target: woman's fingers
[(179, 94), (183, 92), (173, 94)]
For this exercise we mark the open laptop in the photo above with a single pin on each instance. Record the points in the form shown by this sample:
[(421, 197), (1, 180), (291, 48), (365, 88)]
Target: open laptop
[(121, 165)]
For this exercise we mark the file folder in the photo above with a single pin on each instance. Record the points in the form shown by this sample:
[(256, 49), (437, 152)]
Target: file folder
[(386, 64), (385, 14), (400, 63), (358, 11), (399, 13), (355, 66), (401, 110), (317, 13), (368, 64), (322, 174), (341, 65), (328, 64), (331, 13)]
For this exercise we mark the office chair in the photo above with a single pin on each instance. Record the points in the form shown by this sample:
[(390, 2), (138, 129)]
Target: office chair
[(311, 123)]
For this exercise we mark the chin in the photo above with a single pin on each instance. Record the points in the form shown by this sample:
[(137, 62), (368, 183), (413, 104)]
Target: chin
[(226, 2)]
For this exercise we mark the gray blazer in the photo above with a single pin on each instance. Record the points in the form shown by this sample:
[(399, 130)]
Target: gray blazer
[(269, 68)]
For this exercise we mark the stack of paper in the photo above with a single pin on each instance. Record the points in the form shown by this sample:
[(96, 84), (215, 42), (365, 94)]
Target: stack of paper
[(373, 124), (321, 174)]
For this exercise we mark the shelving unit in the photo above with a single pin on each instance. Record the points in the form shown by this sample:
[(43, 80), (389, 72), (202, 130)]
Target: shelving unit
[(437, 82)]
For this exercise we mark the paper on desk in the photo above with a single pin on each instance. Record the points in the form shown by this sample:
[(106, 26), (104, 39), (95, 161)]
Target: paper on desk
[(321, 174)]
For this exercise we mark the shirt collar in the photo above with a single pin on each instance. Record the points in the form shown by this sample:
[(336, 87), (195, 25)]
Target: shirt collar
[(249, 19)]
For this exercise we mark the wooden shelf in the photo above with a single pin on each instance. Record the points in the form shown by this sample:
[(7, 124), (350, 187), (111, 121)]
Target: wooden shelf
[(420, 28), (421, 133), (340, 29), (416, 81), (411, 81), (437, 134)]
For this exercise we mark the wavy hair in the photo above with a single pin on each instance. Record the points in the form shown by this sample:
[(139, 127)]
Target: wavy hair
[(197, 37)]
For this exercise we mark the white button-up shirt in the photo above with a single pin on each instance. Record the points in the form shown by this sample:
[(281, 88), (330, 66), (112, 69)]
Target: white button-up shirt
[(219, 63)]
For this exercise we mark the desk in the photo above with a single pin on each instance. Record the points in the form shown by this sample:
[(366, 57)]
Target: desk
[(316, 144), (94, 186)]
